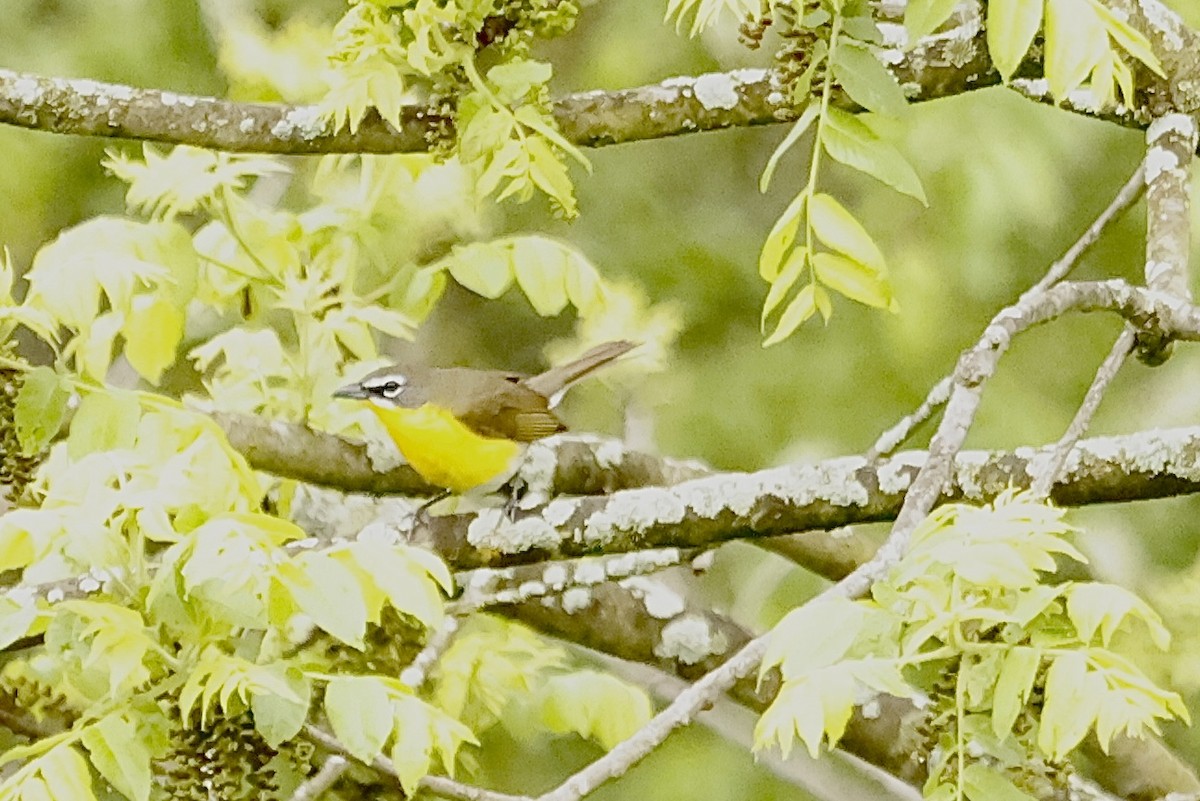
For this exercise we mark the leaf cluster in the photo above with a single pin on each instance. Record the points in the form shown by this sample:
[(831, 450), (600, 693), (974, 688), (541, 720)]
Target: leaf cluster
[(470, 59), (1031, 666)]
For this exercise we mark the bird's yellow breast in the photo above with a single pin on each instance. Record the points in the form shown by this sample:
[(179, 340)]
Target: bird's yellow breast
[(445, 452)]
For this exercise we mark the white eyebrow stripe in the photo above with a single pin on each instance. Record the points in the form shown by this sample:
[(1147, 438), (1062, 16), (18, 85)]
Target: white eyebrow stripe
[(378, 382)]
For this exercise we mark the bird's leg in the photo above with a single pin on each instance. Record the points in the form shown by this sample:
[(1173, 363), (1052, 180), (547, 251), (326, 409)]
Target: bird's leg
[(516, 491), (421, 515)]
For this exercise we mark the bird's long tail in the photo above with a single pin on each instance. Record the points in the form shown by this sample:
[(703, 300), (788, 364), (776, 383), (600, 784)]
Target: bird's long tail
[(556, 379)]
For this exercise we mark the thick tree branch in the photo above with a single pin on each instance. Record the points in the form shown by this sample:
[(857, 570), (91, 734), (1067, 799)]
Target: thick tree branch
[(1171, 141), (579, 464), (950, 63)]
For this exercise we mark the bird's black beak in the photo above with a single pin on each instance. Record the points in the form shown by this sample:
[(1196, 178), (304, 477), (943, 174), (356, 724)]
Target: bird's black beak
[(352, 391)]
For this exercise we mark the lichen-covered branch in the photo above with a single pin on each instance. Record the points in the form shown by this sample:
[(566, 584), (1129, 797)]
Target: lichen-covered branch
[(948, 64), (570, 464), (1171, 141)]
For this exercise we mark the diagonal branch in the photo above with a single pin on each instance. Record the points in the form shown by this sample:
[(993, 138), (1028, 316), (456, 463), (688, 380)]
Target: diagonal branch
[(1126, 196), (975, 366)]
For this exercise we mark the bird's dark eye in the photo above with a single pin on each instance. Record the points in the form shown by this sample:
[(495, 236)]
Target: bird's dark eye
[(391, 389)]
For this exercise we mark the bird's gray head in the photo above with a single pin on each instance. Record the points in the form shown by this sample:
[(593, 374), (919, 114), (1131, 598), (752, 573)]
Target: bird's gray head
[(388, 387)]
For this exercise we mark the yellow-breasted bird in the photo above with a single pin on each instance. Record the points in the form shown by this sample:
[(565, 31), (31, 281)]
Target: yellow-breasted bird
[(464, 429)]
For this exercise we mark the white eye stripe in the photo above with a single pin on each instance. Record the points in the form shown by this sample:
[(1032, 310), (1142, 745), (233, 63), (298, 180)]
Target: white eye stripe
[(389, 386)]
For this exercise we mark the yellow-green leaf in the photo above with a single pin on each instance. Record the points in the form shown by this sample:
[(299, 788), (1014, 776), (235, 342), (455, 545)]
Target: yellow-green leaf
[(923, 17), (783, 233), (1131, 40), (66, 774), (1072, 704), (867, 81), (783, 283), (359, 709), (801, 125), (1011, 26), (540, 270), (1013, 686), (594, 705), (483, 268), (120, 754), (850, 141), (1076, 41), (800, 309), (328, 592), (838, 229), (40, 409), (854, 280), (982, 783), (813, 636), (152, 331), (107, 420)]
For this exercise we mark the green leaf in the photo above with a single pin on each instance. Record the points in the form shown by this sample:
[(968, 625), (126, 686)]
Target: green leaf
[(359, 709), (866, 80), (66, 774), (328, 592), (152, 332), (815, 707), (815, 635), (1013, 686), (802, 307), (540, 268), (823, 301), (543, 123), (423, 732), (514, 79), (1076, 41), (783, 233), (1011, 26), (594, 705), (41, 407), (550, 175), (798, 129), (120, 754), (418, 297), (1093, 606), (107, 420), (279, 718), (783, 284), (1072, 703), (16, 619), (923, 17), (481, 267), (850, 141), (1131, 40), (856, 281), (840, 231), (983, 783), (405, 579)]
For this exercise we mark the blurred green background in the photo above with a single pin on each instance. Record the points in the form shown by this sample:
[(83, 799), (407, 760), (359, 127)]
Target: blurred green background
[(1011, 184)]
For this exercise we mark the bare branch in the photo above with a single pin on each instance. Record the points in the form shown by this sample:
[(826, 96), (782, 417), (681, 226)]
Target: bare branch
[(329, 773), (1126, 196), (1083, 417)]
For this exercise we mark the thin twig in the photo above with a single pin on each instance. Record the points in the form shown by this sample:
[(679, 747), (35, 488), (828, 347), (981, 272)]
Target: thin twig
[(1083, 417), (329, 773), (417, 673), (1129, 193), (448, 788)]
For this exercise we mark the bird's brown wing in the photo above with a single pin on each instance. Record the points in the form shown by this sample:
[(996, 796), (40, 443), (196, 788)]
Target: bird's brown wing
[(510, 411)]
